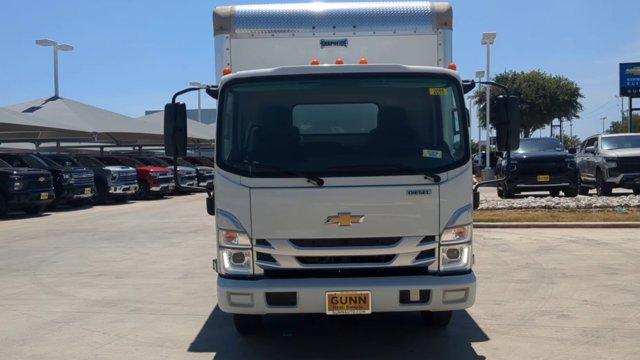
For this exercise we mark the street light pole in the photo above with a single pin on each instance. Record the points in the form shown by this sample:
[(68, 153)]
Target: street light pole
[(200, 86), (488, 39), (604, 118), (56, 47), (479, 76)]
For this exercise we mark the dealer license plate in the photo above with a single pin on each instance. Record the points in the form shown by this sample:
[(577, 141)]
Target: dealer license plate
[(87, 191), (44, 196), (348, 302), (543, 178)]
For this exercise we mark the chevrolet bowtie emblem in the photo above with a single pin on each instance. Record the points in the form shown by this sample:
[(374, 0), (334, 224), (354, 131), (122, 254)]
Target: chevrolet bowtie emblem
[(344, 219)]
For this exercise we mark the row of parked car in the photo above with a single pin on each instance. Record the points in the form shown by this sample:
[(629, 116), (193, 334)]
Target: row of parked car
[(32, 182), (602, 162)]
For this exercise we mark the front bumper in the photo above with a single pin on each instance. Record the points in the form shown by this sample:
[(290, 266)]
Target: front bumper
[(625, 180), (123, 189), (74, 192), (311, 293), (163, 188), (30, 198)]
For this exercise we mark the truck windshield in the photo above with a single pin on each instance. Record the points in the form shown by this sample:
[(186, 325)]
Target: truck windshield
[(533, 145), (620, 142), (342, 126), (63, 160)]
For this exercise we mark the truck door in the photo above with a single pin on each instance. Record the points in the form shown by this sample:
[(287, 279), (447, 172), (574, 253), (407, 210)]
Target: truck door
[(587, 166)]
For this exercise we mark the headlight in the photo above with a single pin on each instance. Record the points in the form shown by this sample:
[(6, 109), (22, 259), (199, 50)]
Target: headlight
[(611, 161), (456, 235), (456, 257), (571, 164), (234, 239), (17, 185), (235, 262), (66, 178)]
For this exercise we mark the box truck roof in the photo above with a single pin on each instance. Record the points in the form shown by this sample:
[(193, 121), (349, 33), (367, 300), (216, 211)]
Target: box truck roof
[(339, 69), (251, 37), (318, 17)]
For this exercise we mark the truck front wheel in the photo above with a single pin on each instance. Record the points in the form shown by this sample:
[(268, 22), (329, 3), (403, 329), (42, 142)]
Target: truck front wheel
[(247, 324), (436, 319)]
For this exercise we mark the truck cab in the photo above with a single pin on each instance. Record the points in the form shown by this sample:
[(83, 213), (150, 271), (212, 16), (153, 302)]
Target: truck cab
[(343, 166), (23, 188), (115, 182), (73, 184)]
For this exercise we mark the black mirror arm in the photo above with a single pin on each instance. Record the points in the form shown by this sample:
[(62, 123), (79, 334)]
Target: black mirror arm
[(174, 98)]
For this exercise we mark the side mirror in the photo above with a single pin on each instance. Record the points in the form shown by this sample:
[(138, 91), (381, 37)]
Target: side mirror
[(211, 205), (590, 150), (573, 151), (175, 130), (508, 123), (476, 199)]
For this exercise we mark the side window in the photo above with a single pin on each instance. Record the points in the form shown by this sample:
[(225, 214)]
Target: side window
[(589, 142)]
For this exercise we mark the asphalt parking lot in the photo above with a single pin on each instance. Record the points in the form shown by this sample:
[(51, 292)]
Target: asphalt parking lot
[(135, 281)]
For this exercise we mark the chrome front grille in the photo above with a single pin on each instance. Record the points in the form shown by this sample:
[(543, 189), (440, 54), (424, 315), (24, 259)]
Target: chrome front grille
[(82, 179), (127, 178), (346, 253)]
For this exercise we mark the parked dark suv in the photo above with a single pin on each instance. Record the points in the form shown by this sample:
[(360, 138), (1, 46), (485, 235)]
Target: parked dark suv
[(540, 164), (115, 183), (610, 161), (22, 188), (73, 185)]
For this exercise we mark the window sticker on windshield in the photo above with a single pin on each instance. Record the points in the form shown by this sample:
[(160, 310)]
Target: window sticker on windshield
[(434, 154), (438, 91)]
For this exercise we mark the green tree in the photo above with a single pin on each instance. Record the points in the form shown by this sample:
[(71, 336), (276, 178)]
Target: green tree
[(569, 141), (543, 98), (618, 127)]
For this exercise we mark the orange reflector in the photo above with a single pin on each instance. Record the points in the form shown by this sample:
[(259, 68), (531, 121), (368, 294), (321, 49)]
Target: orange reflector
[(226, 70), (363, 60), (339, 61), (453, 67), (315, 62)]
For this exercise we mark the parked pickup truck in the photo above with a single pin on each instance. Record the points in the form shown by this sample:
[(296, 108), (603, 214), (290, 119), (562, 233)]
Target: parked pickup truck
[(186, 175), (610, 161), (117, 183), (21, 188), (540, 164), (205, 174), (152, 180), (73, 185)]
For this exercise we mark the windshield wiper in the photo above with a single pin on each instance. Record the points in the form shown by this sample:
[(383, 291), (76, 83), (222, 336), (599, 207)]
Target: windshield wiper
[(310, 178), (427, 174)]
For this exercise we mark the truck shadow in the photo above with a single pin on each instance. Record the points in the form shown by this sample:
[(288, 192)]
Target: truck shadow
[(383, 336)]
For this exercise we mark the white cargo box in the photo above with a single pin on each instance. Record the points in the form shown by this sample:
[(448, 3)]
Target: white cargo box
[(249, 37)]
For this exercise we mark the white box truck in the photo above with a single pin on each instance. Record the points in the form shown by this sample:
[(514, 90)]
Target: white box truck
[(343, 167)]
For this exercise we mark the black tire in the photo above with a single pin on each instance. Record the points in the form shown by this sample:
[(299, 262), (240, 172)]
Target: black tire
[(436, 319), (500, 192), (603, 188), (34, 210), (101, 195), (636, 191), (144, 191), (554, 193), (571, 192), (121, 199), (76, 203), (583, 190), (3, 206), (247, 324)]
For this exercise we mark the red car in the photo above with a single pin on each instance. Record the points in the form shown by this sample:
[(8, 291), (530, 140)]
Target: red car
[(153, 180)]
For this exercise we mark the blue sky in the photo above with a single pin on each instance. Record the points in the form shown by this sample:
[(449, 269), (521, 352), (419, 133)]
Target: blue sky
[(131, 55)]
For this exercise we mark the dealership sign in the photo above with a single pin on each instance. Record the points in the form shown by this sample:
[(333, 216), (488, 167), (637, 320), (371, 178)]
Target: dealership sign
[(630, 79)]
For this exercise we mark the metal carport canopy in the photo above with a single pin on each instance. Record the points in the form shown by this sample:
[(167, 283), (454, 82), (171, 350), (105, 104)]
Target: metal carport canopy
[(196, 132), (15, 126), (106, 126)]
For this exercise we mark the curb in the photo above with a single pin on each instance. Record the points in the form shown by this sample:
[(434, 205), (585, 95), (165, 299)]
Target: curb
[(559, 225)]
